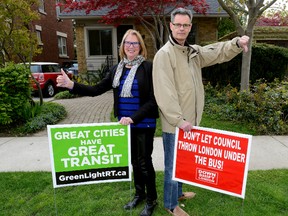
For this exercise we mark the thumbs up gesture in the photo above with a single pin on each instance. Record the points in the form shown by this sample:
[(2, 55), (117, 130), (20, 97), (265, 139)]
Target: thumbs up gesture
[(64, 81)]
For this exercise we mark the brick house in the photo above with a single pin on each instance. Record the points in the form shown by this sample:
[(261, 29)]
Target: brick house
[(55, 36), (276, 35), (95, 41)]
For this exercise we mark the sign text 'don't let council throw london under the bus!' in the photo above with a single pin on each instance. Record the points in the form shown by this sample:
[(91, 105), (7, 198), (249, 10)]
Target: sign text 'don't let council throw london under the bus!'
[(213, 159)]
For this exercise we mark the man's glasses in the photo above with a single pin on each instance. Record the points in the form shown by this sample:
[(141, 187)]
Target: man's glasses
[(134, 44), (178, 25)]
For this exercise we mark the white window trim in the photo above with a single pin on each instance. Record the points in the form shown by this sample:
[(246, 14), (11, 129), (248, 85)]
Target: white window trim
[(61, 34), (38, 27)]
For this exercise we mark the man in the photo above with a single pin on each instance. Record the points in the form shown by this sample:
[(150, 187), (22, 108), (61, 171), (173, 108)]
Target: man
[(179, 91)]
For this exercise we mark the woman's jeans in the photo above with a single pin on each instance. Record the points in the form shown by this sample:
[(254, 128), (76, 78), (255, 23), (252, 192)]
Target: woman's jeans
[(143, 169), (172, 189)]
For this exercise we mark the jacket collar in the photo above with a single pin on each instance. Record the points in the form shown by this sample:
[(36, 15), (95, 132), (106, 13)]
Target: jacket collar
[(191, 51), (173, 41)]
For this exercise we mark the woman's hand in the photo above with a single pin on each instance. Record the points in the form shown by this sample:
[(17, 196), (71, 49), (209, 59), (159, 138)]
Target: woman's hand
[(64, 81), (126, 121)]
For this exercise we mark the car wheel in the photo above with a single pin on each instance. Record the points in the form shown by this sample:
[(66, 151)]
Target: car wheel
[(49, 90)]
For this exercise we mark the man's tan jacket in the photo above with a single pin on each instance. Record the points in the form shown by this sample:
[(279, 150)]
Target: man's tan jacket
[(177, 79)]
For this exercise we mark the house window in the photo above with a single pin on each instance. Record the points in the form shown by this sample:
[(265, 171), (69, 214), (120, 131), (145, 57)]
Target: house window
[(41, 6), (99, 42), (62, 44), (38, 34), (39, 39)]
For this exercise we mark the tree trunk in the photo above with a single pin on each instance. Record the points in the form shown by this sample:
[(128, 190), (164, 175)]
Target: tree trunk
[(245, 68), (246, 63)]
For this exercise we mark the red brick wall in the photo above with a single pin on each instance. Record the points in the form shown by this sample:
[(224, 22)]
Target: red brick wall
[(50, 25)]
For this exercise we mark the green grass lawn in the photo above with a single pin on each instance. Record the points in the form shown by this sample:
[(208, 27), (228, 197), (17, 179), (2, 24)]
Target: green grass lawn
[(210, 122), (238, 127), (32, 193)]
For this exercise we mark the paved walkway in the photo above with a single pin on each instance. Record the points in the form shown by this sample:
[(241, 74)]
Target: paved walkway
[(32, 153), (85, 110)]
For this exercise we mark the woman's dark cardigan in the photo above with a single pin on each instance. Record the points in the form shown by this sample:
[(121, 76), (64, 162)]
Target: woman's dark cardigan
[(148, 106)]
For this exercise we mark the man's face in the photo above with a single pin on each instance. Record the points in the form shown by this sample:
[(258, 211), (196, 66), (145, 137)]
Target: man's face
[(180, 28)]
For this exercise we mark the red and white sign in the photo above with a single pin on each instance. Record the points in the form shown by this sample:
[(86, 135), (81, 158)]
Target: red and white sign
[(213, 159)]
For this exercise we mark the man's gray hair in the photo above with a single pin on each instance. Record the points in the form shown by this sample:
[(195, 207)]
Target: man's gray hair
[(181, 11)]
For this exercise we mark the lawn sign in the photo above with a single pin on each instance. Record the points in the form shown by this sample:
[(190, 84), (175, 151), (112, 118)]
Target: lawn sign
[(212, 159), (89, 153)]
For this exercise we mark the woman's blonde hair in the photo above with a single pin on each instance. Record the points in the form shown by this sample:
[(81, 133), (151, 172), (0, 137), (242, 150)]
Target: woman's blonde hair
[(143, 50)]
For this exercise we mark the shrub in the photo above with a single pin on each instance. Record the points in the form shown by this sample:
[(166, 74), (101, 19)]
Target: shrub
[(15, 92), (265, 107), (65, 95), (51, 113), (31, 110)]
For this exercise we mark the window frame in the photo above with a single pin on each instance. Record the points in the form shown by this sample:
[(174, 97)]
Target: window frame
[(41, 7), (113, 39), (62, 48), (38, 30)]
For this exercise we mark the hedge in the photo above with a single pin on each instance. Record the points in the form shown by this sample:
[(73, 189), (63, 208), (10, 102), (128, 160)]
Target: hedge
[(267, 62)]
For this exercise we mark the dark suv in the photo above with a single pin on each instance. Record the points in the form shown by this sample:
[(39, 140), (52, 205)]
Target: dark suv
[(45, 73)]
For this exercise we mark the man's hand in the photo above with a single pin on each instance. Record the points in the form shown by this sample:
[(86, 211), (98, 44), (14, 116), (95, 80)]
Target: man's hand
[(64, 81), (243, 43), (186, 126)]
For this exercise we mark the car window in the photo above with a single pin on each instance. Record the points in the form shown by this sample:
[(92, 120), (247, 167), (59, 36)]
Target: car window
[(35, 69), (56, 68), (46, 68), (50, 68)]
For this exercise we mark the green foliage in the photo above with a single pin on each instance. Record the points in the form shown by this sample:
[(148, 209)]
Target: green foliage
[(17, 41), (15, 92), (31, 110), (267, 61), (265, 107), (65, 95), (225, 26), (51, 113)]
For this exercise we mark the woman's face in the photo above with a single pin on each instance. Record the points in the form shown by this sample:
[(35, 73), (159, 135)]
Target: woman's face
[(131, 46)]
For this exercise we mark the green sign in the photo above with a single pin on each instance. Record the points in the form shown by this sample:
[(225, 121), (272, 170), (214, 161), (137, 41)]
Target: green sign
[(89, 153)]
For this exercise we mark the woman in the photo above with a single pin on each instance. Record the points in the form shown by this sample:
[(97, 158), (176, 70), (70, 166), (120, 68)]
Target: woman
[(134, 105)]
